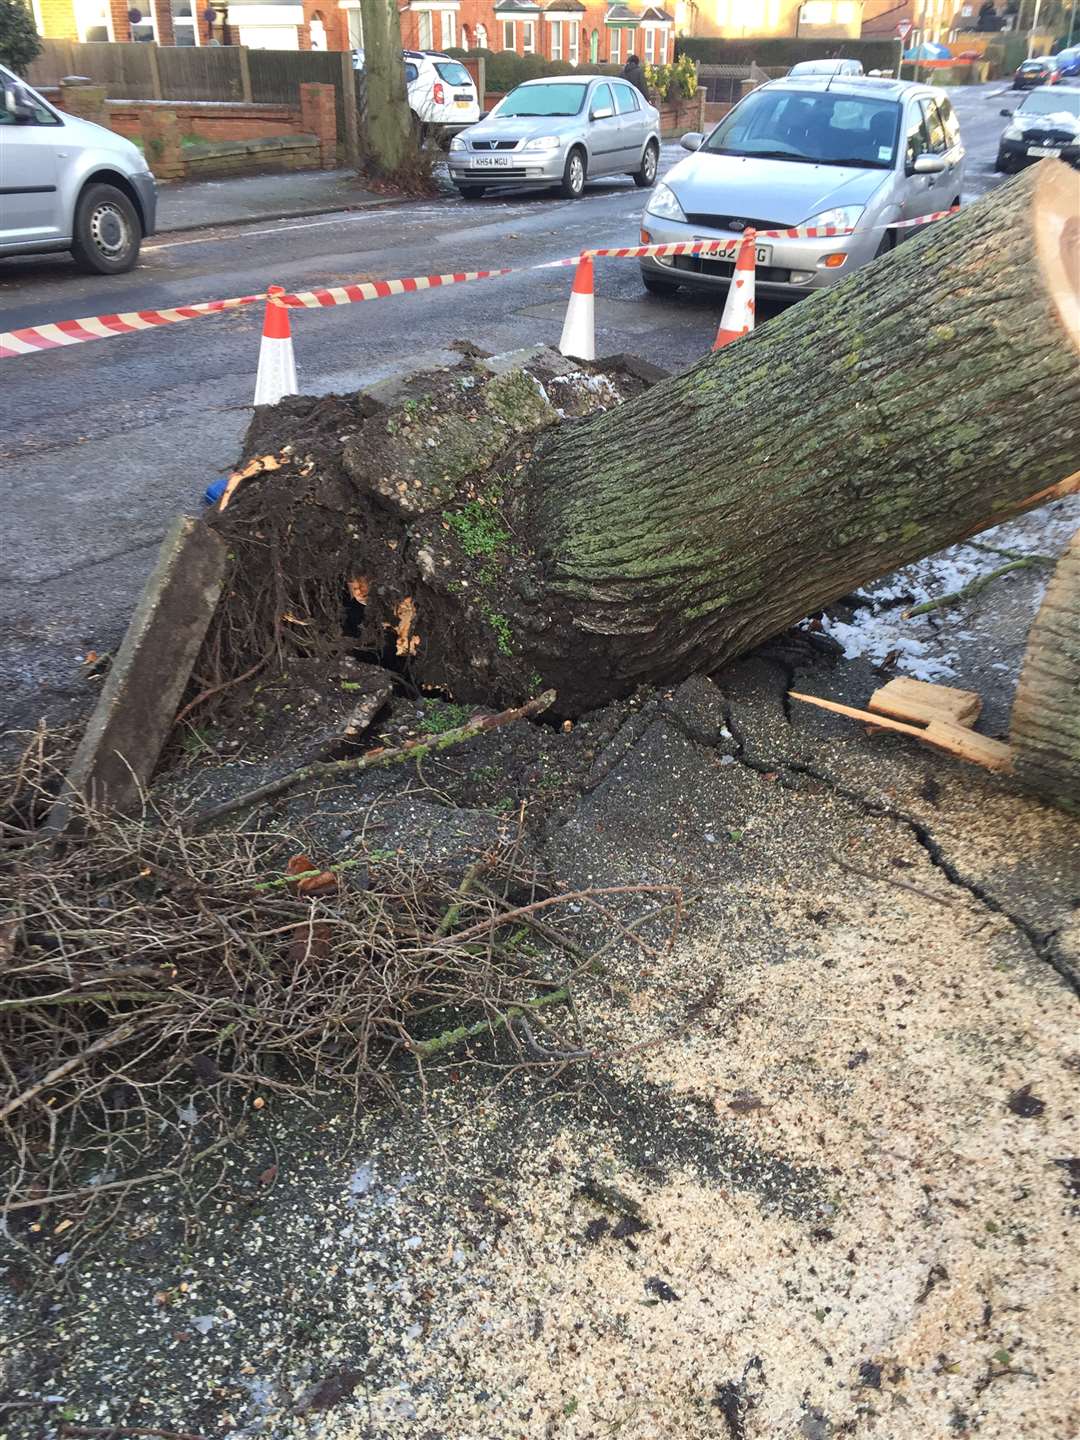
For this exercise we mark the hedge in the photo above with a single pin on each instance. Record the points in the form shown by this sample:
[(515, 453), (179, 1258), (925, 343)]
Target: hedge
[(503, 69), (787, 50)]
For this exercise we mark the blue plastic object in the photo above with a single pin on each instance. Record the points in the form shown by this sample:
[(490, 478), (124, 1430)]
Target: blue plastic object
[(213, 493)]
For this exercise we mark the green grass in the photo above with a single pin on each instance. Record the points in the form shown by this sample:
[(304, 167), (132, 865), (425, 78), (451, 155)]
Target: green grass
[(478, 528)]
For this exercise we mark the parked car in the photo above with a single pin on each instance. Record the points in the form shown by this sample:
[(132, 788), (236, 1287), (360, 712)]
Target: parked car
[(1039, 70), (1046, 122), (562, 132), (70, 185), (827, 67), (1068, 62), (440, 91), (850, 151)]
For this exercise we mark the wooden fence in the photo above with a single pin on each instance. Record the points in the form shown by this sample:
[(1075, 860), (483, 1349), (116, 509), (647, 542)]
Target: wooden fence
[(138, 71)]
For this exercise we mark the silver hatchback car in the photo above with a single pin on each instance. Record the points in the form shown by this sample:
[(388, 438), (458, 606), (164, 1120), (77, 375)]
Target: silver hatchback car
[(69, 184), (849, 151), (559, 132)]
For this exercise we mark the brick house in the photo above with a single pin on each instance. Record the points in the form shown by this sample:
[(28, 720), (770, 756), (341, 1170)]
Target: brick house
[(581, 32)]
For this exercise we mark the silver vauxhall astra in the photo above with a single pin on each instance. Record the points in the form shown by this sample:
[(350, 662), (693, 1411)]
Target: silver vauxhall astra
[(852, 152), (561, 132)]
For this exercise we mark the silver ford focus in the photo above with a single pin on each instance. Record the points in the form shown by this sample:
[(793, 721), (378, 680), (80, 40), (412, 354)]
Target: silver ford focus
[(561, 132), (852, 152)]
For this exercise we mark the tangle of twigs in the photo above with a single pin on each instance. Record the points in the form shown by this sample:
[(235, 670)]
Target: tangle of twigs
[(155, 986)]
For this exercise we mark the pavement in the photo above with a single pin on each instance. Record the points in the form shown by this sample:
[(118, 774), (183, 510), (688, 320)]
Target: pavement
[(105, 443), (201, 203)]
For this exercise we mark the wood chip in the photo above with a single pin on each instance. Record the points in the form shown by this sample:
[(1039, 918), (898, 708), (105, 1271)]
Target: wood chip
[(918, 702)]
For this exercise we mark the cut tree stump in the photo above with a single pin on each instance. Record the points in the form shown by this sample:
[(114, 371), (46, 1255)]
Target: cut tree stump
[(1045, 728)]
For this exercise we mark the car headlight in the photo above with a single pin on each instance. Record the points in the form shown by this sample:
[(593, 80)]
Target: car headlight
[(458, 144), (543, 142), (844, 217), (665, 203), (1013, 132)]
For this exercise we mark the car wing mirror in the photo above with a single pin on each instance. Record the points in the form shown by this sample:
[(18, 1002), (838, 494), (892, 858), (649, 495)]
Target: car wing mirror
[(692, 140), (928, 165), (604, 113), (17, 105)]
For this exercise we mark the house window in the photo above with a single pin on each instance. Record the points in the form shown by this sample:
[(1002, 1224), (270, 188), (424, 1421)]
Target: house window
[(92, 19), (449, 29), (575, 41), (424, 30), (594, 47), (481, 37), (143, 28), (556, 39), (356, 29), (650, 45), (528, 43), (509, 42), (316, 31), (615, 46)]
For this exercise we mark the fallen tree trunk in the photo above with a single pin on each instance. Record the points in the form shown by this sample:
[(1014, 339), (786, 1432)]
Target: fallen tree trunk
[(932, 395)]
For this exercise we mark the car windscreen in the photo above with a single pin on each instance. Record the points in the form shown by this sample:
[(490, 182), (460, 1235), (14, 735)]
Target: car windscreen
[(453, 73), (543, 100), (820, 126), (1053, 102)]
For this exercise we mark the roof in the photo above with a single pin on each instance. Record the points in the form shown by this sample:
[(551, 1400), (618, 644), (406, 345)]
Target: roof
[(564, 5), (517, 7), (621, 15), (657, 15), (848, 84)]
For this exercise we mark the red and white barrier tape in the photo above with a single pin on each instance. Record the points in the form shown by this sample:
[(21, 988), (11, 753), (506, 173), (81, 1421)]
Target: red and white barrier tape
[(381, 289), (62, 333), (102, 327)]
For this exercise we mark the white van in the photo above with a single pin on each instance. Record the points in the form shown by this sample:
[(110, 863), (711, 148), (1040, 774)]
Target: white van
[(67, 184)]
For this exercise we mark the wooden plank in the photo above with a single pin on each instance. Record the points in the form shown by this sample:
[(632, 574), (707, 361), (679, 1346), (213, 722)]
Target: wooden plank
[(919, 702), (968, 745), (944, 735), (866, 716)]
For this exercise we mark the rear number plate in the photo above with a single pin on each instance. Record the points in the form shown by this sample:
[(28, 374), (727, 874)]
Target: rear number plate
[(463, 104), (490, 162), (1043, 150)]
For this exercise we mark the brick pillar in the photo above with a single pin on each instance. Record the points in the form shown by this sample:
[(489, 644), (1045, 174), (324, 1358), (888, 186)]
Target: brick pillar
[(121, 25), (85, 101), (303, 35), (160, 130), (162, 12), (318, 116)]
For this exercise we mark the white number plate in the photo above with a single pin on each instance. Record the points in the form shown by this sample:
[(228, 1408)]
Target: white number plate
[(728, 249), (490, 162), (1043, 150), (463, 104)]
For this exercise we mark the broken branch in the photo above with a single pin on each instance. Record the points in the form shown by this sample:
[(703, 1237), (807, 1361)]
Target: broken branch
[(376, 759), (973, 587), (424, 1049)]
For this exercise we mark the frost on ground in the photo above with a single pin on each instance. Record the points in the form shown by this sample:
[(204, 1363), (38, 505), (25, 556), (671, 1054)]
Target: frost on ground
[(927, 647)]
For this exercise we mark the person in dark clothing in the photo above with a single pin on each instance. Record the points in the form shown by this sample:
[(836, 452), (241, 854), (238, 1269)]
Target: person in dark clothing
[(634, 72)]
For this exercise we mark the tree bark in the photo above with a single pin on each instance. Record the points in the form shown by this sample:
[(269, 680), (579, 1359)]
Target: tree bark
[(1045, 728), (389, 120), (933, 394)]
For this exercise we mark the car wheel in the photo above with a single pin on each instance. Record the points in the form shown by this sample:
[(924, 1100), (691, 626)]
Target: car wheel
[(1002, 164), (655, 286), (107, 231), (573, 180), (470, 192), (646, 175), (886, 243)]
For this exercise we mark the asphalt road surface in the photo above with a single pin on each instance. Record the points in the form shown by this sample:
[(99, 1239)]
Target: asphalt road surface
[(102, 444)]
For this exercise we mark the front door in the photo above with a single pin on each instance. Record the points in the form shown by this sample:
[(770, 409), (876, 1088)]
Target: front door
[(29, 159)]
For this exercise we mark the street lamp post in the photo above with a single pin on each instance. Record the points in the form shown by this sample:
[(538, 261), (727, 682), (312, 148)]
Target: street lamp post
[(1072, 22), (1034, 24)]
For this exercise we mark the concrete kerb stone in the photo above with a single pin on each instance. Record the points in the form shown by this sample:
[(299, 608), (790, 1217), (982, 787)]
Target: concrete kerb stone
[(135, 712)]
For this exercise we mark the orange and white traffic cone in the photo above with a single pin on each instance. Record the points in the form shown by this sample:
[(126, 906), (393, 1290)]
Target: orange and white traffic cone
[(738, 316), (277, 364), (579, 330)]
